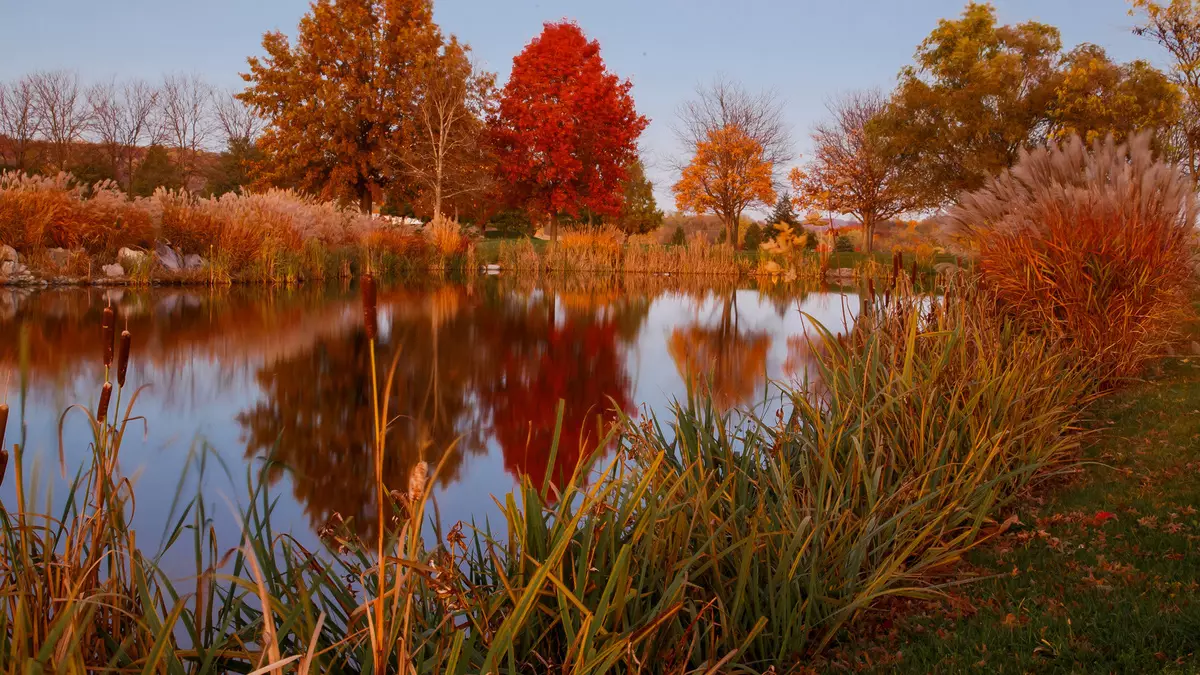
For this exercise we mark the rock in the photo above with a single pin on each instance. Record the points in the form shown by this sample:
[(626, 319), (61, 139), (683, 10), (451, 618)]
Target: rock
[(8, 253), (13, 269), (168, 257), (492, 268), (192, 261), (945, 268), (60, 257), (131, 258), (113, 271)]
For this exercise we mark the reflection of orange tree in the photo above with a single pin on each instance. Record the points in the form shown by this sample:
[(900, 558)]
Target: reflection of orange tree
[(315, 415), (721, 358)]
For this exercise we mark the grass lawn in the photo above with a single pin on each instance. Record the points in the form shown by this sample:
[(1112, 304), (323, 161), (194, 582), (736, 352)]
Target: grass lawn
[(1102, 574)]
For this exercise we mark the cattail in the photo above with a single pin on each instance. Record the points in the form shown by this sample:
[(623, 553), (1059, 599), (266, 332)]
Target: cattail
[(897, 261), (370, 306), (416, 482), (3, 429), (123, 357), (108, 329), (871, 289), (105, 395), (914, 274)]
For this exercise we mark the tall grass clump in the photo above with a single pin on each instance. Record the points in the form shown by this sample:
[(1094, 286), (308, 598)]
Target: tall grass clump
[(1092, 245), (586, 250), (698, 256), (56, 212)]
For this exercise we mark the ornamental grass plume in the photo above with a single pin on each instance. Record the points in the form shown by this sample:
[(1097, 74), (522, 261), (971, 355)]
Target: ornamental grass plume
[(1090, 245)]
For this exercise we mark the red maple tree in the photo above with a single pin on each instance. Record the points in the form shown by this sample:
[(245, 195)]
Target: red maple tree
[(566, 130)]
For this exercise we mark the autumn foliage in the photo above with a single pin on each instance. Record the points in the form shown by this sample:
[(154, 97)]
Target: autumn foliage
[(566, 130), (727, 175), (1092, 246)]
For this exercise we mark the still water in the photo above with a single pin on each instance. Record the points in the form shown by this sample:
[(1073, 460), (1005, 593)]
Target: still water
[(245, 374)]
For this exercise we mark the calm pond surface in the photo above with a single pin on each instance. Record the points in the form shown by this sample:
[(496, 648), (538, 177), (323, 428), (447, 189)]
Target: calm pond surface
[(247, 373)]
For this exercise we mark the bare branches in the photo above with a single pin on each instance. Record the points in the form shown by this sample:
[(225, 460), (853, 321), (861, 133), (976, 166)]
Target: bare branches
[(185, 118), (238, 122), (62, 111), (723, 104), (19, 119), (122, 118)]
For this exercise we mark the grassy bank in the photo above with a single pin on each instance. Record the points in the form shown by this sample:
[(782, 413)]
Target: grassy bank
[(1100, 574)]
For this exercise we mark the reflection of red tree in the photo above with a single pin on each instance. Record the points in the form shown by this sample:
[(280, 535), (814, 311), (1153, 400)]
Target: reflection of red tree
[(577, 363)]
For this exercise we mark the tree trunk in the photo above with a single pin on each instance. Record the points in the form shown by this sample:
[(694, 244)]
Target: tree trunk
[(868, 235), (364, 200)]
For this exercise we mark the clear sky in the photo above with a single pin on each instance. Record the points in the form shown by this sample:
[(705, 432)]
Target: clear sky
[(805, 50)]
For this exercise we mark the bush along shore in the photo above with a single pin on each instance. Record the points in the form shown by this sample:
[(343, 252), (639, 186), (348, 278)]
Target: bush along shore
[(710, 542), (54, 231)]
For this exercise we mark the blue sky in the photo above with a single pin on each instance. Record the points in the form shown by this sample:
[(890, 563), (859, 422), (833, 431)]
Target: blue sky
[(805, 50)]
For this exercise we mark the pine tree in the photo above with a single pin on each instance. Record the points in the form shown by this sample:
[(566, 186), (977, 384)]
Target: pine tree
[(639, 213)]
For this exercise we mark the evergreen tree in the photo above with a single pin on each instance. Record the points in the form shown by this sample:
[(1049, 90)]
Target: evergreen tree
[(156, 170), (234, 166), (639, 213), (782, 213)]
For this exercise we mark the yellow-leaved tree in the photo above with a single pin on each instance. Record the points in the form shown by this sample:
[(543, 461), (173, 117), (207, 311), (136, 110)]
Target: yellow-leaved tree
[(727, 175), (341, 103)]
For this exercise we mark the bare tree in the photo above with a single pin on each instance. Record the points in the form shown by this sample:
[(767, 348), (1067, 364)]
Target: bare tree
[(448, 157), (852, 171), (122, 119), (63, 113), (724, 104), (186, 119), (237, 121), (19, 120)]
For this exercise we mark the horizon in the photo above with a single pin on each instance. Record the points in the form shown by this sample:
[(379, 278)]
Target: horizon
[(665, 53)]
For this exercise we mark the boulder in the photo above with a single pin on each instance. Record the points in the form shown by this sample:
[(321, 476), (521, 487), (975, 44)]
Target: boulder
[(59, 257), (192, 261), (7, 254), (128, 257), (11, 270), (113, 271), (168, 257)]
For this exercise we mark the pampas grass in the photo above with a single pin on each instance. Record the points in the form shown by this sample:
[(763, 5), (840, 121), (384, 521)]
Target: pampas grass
[(1090, 244)]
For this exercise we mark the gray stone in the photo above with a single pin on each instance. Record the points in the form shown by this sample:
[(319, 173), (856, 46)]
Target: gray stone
[(8, 253), (13, 269), (945, 268), (129, 257), (192, 261), (168, 257), (60, 257), (113, 271)]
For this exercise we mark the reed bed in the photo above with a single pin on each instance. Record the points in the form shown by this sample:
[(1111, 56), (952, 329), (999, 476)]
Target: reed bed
[(712, 542)]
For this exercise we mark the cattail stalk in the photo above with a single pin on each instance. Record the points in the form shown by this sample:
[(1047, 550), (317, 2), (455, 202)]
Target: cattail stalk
[(123, 357), (108, 328), (370, 306), (3, 430), (105, 396), (914, 274)]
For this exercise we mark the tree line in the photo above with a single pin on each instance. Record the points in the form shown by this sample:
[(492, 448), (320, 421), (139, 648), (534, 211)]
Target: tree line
[(372, 104), (141, 134), (977, 95)]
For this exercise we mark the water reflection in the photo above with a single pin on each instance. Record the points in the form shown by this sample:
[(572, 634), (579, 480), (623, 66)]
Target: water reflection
[(477, 370)]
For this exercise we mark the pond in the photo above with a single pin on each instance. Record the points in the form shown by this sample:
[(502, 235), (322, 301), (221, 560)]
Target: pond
[(239, 375)]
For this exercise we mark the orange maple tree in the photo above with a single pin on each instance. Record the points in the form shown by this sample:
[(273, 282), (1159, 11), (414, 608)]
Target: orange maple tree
[(341, 101), (566, 130), (727, 175)]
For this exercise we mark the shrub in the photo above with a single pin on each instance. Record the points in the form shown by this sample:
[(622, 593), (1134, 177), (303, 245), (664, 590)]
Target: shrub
[(843, 244), (1089, 245), (753, 237), (678, 237)]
